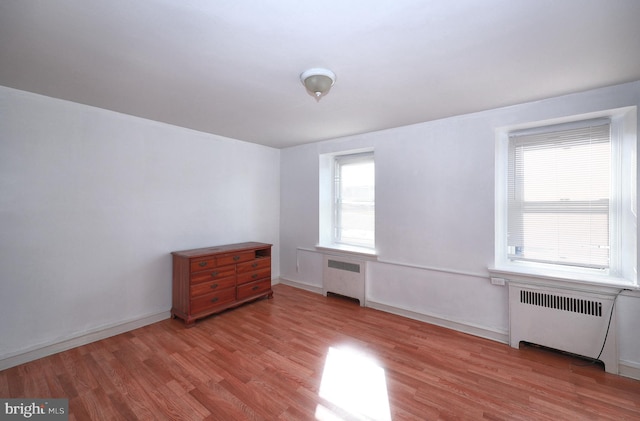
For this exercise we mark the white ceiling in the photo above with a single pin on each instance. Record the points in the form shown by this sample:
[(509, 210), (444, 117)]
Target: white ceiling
[(232, 67)]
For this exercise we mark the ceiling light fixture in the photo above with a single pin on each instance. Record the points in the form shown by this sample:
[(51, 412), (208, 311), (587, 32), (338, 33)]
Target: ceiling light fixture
[(318, 81)]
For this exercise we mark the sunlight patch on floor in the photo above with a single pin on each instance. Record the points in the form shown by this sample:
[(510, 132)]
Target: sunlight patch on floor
[(355, 383)]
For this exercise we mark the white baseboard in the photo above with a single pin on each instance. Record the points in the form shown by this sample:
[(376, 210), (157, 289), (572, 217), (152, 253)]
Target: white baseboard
[(480, 331), (301, 285), (625, 368), (629, 369), (483, 332), (104, 332)]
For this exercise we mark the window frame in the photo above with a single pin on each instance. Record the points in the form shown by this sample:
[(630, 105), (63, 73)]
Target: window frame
[(339, 161), (623, 201), (328, 212), (546, 140)]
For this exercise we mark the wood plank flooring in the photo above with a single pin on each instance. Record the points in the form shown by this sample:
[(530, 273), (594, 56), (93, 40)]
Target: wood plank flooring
[(279, 359)]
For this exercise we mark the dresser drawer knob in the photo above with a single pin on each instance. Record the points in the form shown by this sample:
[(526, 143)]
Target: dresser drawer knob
[(255, 265), (213, 300), (214, 274), (202, 264), (255, 288), (254, 276), (214, 286), (236, 258)]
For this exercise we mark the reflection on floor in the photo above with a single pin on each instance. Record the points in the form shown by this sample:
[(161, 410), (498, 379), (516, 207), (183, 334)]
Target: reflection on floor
[(354, 385)]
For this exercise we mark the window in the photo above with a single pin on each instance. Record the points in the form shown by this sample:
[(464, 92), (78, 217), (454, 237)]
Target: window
[(347, 200), (558, 196), (566, 198), (354, 200)]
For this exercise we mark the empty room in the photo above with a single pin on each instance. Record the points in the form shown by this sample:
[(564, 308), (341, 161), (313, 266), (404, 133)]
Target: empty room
[(338, 210)]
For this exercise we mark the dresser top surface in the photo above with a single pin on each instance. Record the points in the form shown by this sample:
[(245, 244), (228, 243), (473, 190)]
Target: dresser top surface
[(226, 248)]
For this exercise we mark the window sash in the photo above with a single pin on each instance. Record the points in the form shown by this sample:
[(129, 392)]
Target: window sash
[(354, 200), (559, 194)]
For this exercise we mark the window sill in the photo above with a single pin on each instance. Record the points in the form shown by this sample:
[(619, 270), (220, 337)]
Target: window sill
[(362, 252), (560, 279)]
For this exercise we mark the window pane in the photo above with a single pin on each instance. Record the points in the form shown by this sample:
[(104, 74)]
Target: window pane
[(355, 203), (559, 188), (561, 238), (566, 173)]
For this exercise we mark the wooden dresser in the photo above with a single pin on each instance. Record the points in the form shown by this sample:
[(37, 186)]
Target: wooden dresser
[(212, 279)]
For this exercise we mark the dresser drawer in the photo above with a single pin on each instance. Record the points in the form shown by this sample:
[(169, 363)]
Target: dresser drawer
[(253, 288), (202, 264), (212, 286), (213, 273), (261, 263), (243, 278), (230, 259), (209, 301)]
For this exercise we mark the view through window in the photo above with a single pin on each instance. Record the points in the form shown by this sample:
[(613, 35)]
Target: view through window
[(354, 200)]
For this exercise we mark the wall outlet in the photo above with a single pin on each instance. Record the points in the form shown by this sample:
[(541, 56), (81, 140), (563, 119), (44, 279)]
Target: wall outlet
[(497, 281)]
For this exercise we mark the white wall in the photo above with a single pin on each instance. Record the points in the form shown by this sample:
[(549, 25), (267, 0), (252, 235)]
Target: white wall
[(92, 202), (434, 216)]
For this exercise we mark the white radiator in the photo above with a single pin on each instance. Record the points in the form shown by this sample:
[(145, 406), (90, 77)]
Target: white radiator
[(344, 277), (569, 321)]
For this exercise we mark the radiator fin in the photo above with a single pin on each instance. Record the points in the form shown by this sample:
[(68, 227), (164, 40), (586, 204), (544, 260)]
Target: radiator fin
[(558, 302), (350, 267)]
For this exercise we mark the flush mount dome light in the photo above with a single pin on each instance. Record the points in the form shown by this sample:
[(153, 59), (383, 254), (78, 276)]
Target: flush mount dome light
[(318, 81)]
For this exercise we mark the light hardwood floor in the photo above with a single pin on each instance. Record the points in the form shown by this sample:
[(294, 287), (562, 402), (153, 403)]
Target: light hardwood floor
[(302, 356)]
